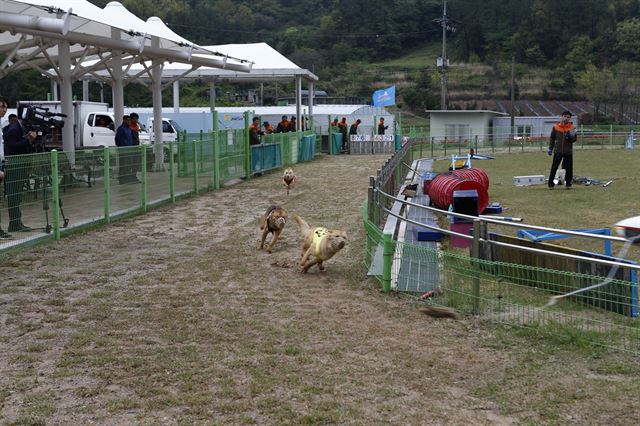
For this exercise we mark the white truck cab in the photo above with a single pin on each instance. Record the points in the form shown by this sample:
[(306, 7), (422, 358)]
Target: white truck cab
[(170, 129)]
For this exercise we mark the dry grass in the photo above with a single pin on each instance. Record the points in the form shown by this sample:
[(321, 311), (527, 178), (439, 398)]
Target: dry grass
[(176, 318)]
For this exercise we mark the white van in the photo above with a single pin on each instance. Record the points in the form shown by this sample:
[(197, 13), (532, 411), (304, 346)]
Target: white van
[(99, 130), (170, 129)]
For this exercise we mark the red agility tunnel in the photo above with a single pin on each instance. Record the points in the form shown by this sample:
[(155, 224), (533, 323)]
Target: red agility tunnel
[(476, 174), (443, 186)]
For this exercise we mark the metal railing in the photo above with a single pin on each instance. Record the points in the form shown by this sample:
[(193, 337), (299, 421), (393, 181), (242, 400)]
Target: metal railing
[(491, 281)]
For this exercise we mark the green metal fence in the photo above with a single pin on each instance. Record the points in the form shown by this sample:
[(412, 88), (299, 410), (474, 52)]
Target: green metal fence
[(49, 194), (474, 283)]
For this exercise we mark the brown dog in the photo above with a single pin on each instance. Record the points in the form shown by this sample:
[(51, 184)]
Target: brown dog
[(320, 243), (289, 180), (273, 222)]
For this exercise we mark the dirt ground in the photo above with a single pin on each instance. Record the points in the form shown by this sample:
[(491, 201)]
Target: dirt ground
[(176, 318)]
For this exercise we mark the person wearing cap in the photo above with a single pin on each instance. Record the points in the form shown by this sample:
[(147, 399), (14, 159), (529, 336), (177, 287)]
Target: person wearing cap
[(563, 135), (268, 128)]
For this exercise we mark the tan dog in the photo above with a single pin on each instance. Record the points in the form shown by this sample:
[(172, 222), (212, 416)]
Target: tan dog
[(320, 243), (273, 222), (289, 179)]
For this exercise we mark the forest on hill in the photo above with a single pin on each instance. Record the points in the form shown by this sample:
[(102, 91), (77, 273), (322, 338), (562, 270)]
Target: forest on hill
[(587, 48)]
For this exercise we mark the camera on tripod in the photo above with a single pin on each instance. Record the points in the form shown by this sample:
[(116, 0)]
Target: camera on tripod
[(46, 124)]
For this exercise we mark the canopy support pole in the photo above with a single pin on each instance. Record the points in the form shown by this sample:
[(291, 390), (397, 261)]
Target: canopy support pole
[(117, 86), (298, 102), (311, 100), (176, 96), (66, 98)]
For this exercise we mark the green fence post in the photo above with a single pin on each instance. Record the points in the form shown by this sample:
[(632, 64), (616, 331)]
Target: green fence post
[(387, 262), (215, 126), (476, 144), (459, 145), (247, 146), (143, 176), (330, 137), (433, 141), (216, 160), (610, 134), (445, 146), (172, 174), (55, 194), (106, 153), (581, 133), (475, 255), (196, 178)]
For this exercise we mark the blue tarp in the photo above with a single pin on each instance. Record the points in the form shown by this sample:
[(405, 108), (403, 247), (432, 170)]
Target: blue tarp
[(336, 143), (265, 157), (307, 148)]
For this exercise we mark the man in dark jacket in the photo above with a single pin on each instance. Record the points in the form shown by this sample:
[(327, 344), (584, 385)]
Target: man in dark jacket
[(17, 167), (126, 156), (255, 132), (382, 127), (283, 125), (563, 135)]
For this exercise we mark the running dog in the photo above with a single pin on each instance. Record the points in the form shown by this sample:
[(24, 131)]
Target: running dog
[(320, 243), (273, 222), (289, 180)]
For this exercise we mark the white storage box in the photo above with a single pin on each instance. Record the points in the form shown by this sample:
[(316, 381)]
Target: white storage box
[(528, 180)]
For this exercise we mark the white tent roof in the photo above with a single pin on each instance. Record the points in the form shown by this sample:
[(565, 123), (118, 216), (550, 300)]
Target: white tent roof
[(268, 65), (31, 29)]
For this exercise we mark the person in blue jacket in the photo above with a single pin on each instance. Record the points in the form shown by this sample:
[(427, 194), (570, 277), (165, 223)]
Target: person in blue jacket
[(124, 138)]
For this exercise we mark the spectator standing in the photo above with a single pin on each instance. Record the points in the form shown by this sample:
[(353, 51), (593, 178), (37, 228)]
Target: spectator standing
[(382, 127), (255, 132), (268, 128), (343, 129), (293, 124), (135, 138), (283, 125), (124, 140), (353, 130), (17, 166), (3, 110)]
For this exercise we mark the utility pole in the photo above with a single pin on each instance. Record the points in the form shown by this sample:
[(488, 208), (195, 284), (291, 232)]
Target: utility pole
[(513, 95), (443, 61)]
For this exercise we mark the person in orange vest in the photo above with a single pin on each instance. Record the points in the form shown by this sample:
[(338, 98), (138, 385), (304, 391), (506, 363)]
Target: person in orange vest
[(283, 125), (382, 127), (292, 124), (343, 129), (268, 128), (563, 135), (255, 132)]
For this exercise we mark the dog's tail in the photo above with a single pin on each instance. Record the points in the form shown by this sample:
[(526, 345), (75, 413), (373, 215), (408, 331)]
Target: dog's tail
[(304, 226)]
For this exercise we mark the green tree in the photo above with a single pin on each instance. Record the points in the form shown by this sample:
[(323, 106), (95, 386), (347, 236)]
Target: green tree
[(628, 39), (594, 83)]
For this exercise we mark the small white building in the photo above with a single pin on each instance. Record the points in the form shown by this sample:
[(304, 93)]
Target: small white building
[(463, 124), (489, 126), (529, 127)]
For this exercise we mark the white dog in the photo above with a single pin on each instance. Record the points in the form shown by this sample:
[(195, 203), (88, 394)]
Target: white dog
[(289, 179)]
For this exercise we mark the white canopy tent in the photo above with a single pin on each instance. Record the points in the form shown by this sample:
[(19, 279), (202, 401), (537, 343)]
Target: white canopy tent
[(35, 34), (268, 65)]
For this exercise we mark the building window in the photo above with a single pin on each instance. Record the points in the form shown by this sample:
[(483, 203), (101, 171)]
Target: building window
[(455, 131), (523, 131)]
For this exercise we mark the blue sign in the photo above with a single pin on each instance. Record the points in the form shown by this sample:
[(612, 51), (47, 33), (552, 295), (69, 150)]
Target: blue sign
[(385, 97)]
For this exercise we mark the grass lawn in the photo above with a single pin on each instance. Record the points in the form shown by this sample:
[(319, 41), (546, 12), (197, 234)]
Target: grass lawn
[(583, 206)]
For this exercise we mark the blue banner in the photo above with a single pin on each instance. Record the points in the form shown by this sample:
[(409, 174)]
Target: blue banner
[(385, 97)]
